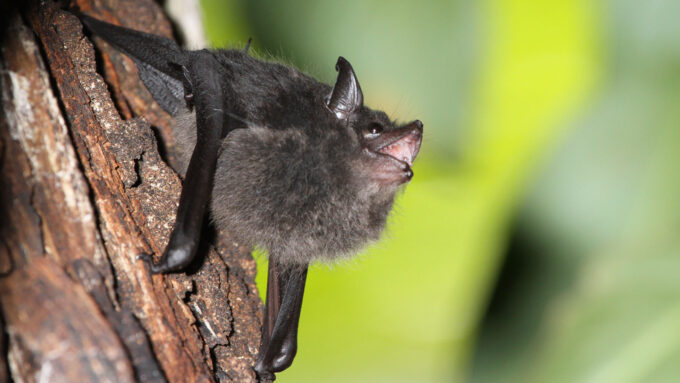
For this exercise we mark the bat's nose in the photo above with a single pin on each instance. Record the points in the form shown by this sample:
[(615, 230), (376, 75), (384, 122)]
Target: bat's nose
[(417, 125)]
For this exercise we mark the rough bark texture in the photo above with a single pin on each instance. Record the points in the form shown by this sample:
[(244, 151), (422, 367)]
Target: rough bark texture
[(83, 190)]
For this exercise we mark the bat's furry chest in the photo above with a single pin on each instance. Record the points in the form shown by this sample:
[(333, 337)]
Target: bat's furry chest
[(296, 197)]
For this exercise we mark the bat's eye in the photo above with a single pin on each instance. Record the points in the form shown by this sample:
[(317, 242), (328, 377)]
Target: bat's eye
[(374, 129)]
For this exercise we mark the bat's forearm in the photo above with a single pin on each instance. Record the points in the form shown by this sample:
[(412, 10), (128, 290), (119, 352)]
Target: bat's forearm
[(197, 188), (161, 53)]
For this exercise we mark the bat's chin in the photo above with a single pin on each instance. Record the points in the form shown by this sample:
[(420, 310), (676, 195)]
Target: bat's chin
[(397, 153)]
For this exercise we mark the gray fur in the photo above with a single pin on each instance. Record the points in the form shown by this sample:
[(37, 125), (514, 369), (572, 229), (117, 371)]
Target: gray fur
[(287, 192), (296, 179)]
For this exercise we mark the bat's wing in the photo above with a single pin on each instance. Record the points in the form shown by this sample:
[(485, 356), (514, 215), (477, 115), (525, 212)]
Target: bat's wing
[(278, 346), (159, 60), (176, 78), (211, 97)]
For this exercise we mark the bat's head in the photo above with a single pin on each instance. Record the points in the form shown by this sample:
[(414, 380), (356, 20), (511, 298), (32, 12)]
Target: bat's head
[(387, 149)]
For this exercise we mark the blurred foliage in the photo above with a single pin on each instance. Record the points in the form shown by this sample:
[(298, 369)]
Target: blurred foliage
[(599, 226), (551, 140)]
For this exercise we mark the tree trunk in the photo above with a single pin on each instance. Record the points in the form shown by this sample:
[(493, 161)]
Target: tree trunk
[(83, 191)]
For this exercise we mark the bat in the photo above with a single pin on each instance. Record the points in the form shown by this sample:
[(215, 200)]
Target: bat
[(300, 168)]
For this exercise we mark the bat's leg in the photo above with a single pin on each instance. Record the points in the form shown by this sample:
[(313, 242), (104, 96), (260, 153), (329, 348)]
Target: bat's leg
[(179, 79), (272, 304), (209, 101), (285, 288)]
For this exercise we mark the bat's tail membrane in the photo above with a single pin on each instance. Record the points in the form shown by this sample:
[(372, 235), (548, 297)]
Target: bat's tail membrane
[(159, 61)]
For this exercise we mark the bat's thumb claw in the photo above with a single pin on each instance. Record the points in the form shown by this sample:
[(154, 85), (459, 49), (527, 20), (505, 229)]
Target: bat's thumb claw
[(148, 260)]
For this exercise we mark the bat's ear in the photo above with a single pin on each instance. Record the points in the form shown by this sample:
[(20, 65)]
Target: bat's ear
[(346, 96)]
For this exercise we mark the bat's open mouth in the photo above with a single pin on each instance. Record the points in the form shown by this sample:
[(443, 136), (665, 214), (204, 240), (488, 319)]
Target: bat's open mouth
[(398, 148), (405, 146), (402, 144)]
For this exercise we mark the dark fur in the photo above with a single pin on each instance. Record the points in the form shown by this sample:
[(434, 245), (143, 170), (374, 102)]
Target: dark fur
[(295, 184)]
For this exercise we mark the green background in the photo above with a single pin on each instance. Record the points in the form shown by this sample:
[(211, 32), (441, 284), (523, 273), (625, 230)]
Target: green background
[(538, 240)]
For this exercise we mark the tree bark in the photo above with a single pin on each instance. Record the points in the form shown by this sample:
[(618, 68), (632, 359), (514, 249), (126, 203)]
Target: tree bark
[(83, 191)]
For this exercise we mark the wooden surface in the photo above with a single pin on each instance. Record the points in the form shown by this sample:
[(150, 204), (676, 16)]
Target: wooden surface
[(83, 191)]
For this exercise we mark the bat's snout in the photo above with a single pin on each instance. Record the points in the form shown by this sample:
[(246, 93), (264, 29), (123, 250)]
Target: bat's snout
[(406, 144), (396, 153)]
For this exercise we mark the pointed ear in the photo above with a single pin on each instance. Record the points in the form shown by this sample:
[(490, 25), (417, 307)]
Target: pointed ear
[(346, 96)]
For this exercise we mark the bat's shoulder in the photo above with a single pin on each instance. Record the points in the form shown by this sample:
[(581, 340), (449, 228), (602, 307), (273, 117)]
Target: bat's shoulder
[(242, 62)]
